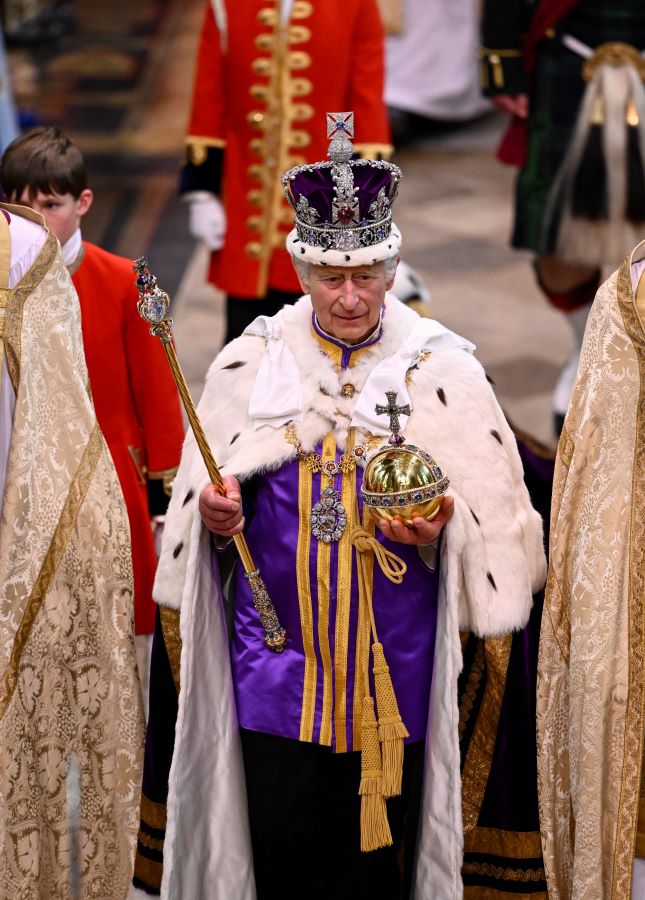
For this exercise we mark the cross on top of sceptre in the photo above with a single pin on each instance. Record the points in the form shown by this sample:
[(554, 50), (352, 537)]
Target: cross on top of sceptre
[(393, 411)]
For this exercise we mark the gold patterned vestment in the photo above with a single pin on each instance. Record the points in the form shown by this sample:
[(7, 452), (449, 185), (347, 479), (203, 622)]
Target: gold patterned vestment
[(68, 682), (591, 679)]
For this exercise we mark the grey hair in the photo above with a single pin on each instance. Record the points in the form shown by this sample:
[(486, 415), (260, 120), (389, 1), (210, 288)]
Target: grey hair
[(389, 265), (302, 267)]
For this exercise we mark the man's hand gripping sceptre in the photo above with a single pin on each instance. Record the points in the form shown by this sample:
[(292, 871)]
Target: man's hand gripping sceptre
[(153, 306)]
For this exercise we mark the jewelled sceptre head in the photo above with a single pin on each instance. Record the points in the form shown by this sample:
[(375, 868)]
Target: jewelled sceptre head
[(153, 306), (402, 480)]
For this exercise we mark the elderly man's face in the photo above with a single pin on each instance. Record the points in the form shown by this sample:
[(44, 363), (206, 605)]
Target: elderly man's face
[(348, 300)]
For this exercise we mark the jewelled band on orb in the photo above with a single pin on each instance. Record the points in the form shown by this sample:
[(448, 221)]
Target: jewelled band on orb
[(405, 498)]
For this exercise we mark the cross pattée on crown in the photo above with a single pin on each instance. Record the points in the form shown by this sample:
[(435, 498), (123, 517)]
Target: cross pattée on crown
[(342, 122)]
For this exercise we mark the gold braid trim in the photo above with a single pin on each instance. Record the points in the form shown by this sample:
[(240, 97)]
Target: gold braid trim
[(153, 814), (148, 871), (167, 476), (482, 744), (324, 590), (172, 639), (470, 691), (343, 599), (504, 874), (509, 844), (626, 823), (566, 447), (197, 148), (559, 614), (477, 892), (151, 843), (374, 151), (16, 302), (66, 524), (304, 602)]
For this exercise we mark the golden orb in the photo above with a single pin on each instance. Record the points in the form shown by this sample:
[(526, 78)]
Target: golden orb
[(402, 481)]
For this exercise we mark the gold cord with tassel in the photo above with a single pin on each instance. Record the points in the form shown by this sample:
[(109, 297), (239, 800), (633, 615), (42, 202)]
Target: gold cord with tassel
[(381, 771), (375, 828), (391, 730)]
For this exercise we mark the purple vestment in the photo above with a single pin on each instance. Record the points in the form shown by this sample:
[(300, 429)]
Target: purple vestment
[(269, 687)]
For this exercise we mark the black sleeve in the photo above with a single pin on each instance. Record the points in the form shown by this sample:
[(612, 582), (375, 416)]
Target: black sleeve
[(205, 175), (160, 741), (504, 22)]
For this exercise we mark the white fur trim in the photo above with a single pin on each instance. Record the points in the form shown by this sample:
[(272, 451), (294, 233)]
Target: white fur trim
[(364, 256), (276, 395), (495, 534)]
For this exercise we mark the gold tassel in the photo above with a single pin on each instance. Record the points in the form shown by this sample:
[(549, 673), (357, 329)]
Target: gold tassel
[(497, 69), (391, 730), (375, 829)]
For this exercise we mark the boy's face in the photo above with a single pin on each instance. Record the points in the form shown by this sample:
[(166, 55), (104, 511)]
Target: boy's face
[(62, 212)]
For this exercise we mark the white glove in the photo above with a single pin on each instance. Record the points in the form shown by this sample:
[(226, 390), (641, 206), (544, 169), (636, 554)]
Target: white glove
[(207, 219)]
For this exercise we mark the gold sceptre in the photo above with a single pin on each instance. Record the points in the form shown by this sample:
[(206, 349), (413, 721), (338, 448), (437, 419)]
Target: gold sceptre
[(153, 306)]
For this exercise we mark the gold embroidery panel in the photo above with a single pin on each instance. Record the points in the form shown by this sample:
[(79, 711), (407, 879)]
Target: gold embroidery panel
[(480, 752), (348, 499), (172, 639), (633, 754), (324, 590), (305, 600)]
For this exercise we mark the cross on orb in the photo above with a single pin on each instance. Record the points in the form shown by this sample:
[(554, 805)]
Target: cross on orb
[(393, 411)]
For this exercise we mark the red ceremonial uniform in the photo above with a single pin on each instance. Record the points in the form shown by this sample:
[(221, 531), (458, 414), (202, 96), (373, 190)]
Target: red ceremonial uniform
[(136, 401), (261, 93)]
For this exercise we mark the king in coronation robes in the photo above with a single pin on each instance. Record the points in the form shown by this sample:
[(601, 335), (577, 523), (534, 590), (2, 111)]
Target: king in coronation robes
[(69, 692), (254, 785), (591, 674)]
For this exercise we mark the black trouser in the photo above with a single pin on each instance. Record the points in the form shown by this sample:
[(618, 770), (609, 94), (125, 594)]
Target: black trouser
[(304, 811), (240, 311)]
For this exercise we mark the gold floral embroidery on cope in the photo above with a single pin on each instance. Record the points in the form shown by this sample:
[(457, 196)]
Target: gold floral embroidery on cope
[(66, 524), (15, 305), (64, 696), (633, 753)]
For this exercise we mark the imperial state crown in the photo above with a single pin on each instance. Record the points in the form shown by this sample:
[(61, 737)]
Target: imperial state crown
[(343, 204)]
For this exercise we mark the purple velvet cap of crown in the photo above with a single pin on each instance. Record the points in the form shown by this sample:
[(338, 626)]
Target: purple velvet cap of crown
[(317, 187)]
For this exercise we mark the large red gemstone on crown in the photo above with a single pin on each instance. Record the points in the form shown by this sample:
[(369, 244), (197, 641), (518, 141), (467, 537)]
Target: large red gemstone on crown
[(345, 214)]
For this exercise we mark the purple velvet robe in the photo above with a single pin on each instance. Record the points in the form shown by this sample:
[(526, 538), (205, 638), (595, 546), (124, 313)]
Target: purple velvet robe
[(270, 688)]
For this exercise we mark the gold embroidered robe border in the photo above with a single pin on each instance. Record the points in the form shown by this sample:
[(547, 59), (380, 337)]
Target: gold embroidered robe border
[(68, 680), (591, 684)]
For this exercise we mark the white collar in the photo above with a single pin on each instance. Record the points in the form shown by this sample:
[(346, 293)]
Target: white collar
[(71, 248), (276, 397)]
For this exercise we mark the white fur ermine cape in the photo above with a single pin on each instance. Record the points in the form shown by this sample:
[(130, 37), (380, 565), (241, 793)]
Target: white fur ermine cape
[(492, 561)]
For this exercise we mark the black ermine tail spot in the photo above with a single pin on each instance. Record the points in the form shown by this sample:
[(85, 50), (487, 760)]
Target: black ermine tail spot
[(234, 365), (492, 580), (441, 394), (189, 496), (178, 549), (234, 438), (497, 436), (474, 516), (489, 379)]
